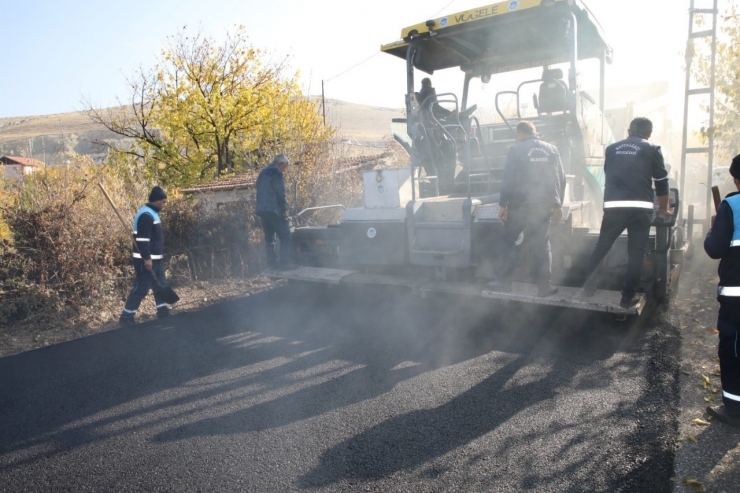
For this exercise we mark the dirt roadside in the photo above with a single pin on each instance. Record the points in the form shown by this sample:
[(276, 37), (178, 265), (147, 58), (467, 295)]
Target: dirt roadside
[(193, 296), (707, 453)]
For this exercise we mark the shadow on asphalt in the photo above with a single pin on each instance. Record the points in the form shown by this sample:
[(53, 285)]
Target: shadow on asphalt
[(44, 391)]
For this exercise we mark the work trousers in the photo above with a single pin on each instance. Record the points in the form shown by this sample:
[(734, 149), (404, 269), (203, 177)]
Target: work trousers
[(527, 230), (728, 324), (637, 222), (272, 226), (142, 286)]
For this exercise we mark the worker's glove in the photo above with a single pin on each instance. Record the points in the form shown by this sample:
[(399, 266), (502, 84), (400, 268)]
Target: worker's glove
[(502, 215), (663, 217)]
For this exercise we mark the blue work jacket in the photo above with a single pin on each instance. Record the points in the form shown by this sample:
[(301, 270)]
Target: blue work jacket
[(271, 191)]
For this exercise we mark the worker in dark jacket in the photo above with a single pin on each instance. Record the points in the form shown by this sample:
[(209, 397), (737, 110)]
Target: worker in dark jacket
[(531, 197), (631, 166), (723, 242), (427, 95), (148, 253), (272, 208)]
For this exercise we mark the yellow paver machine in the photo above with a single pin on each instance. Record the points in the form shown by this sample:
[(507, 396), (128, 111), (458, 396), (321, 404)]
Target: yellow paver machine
[(433, 227)]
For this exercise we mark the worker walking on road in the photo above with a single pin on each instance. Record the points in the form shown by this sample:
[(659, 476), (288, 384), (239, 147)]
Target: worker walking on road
[(723, 242), (531, 196), (631, 166), (272, 208), (148, 254)]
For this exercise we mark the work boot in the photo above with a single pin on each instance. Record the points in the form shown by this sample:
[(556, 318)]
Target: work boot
[(547, 290), (163, 312), (500, 286), (123, 321), (720, 414), (629, 302)]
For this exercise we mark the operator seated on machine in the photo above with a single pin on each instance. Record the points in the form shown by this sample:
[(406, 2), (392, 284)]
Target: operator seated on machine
[(427, 95)]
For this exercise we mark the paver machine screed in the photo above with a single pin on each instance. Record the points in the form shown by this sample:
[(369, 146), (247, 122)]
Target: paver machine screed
[(433, 227)]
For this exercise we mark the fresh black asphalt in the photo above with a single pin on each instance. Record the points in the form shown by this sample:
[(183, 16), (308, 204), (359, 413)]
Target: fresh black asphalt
[(305, 388)]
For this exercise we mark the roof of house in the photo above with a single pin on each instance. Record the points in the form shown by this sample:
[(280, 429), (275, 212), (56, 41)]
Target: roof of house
[(359, 162), (25, 161), (235, 183), (248, 181), (353, 161)]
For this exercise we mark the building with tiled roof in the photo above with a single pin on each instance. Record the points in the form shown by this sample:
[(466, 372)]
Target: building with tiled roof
[(16, 168), (217, 193)]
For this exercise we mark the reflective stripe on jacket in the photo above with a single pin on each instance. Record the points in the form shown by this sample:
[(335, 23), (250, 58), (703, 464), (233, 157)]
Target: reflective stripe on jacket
[(148, 234), (631, 166), (723, 242)]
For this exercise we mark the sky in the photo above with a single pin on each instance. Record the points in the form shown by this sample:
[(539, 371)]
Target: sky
[(55, 53)]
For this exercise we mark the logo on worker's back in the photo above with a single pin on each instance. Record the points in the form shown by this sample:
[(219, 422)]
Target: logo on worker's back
[(371, 233), (514, 4), (443, 21), (538, 155), (628, 149)]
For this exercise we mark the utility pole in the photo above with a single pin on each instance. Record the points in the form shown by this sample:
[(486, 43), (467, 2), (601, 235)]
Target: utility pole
[(688, 93), (323, 102), (64, 145)]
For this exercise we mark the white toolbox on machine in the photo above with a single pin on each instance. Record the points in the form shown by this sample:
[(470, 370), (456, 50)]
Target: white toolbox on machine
[(387, 188)]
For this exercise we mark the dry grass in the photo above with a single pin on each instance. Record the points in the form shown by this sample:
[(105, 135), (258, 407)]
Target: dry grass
[(24, 127), (359, 122)]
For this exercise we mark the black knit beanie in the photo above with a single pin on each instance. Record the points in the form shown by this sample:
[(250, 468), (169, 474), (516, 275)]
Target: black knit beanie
[(735, 167), (157, 194)]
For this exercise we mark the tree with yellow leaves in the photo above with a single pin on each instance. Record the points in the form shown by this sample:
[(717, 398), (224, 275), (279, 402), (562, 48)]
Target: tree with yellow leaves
[(727, 83), (210, 108)]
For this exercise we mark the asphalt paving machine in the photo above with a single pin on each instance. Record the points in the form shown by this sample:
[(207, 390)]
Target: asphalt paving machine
[(433, 227)]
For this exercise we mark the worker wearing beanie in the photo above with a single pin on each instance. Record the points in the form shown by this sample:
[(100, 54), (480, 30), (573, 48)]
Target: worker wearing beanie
[(723, 242), (148, 252)]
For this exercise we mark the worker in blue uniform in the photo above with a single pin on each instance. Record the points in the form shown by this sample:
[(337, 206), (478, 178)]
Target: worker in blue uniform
[(531, 197), (148, 255), (723, 242), (631, 166)]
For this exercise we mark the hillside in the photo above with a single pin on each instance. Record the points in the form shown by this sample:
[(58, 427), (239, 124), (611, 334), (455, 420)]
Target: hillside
[(46, 137), (359, 122)]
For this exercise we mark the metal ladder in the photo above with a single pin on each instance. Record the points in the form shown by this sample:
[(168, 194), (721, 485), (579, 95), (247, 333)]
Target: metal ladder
[(689, 92)]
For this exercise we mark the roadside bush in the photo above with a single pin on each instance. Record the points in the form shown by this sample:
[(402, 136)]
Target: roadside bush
[(4, 202), (66, 259), (62, 256), (222, 244), (326, 176)]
